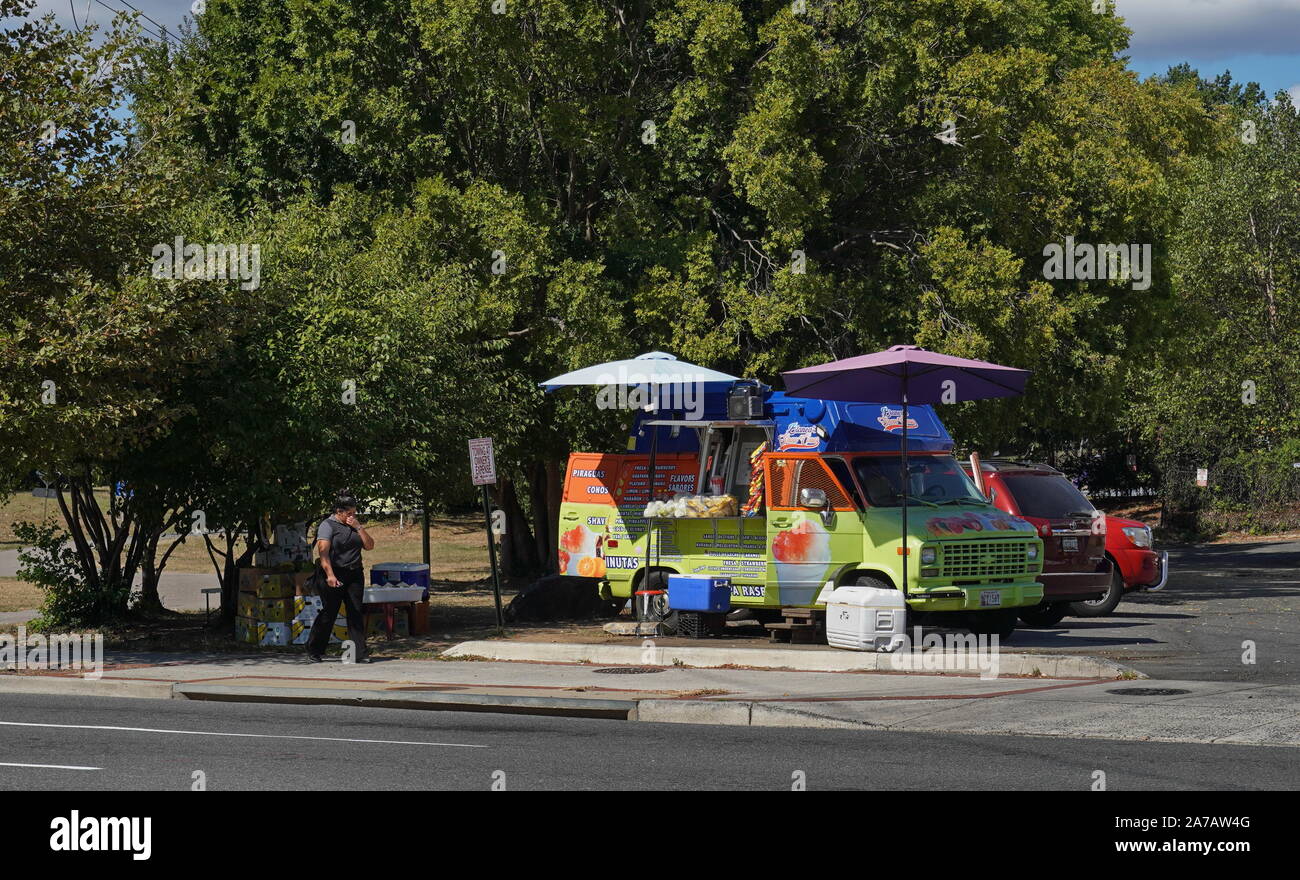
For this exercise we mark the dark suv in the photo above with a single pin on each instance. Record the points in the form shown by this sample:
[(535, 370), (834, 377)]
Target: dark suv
[(1075, 567)]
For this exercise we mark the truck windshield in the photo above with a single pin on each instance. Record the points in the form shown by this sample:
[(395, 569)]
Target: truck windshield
[(932, 479), (1047, 496)]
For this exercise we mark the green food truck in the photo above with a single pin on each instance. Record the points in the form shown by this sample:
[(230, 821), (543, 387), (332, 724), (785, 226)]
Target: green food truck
[(792, 494)]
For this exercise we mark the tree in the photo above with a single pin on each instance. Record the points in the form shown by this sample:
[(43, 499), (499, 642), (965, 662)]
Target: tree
[(1231, 384), (645, 173), (91, 346)]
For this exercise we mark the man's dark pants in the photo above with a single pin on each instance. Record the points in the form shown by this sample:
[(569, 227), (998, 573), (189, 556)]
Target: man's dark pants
[(349, 593)]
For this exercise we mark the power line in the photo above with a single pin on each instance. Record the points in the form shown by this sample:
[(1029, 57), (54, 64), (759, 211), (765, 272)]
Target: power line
[(162, 37), (161, 27)]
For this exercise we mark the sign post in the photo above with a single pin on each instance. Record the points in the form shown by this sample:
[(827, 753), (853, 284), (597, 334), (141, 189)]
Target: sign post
[(483, 468)]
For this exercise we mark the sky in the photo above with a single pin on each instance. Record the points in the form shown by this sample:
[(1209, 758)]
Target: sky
[(1256, 39)]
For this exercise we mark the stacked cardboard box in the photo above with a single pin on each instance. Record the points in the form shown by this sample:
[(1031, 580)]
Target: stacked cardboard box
[(275, 608)]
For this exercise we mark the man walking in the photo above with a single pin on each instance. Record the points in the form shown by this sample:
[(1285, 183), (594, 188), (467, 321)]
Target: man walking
[(340, 538)]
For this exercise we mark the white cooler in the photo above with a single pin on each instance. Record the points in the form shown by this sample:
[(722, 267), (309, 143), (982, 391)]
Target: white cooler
[(864, 618), (392, 594)]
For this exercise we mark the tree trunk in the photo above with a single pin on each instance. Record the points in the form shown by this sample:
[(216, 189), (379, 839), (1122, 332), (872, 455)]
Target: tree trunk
[(424, 532), (519, 553), (543, 535), (554, 497)]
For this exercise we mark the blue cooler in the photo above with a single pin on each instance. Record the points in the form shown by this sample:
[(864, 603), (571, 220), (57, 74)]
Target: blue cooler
[(688, 592), (414, 574)]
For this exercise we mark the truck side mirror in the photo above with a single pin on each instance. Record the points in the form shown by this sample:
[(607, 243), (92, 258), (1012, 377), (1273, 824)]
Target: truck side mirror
[(813, 498)]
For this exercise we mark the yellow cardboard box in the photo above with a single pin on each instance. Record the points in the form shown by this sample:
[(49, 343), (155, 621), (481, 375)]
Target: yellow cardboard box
[(273, 634), (275, 610), (275, 586), (300, 630), (305, 608), (246, 631), (251, 578)]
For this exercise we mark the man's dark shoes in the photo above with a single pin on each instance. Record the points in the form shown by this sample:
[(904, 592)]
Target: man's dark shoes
[(315, 658)]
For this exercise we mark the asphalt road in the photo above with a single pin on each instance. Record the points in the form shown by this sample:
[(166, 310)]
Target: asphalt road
[(124, 744), (1219, 597)]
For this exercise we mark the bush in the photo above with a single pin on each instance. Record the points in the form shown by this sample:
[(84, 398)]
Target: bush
[(1255, 491), (49, 561)]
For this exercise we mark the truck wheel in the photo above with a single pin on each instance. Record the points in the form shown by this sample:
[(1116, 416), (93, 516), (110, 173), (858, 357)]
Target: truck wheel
[(658, 609), (866, 580), (1106, 604), (1045, 614)]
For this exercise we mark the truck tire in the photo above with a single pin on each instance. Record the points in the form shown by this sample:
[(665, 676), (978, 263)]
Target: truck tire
[(1106, 604), (867, 580), (1045, 614), (658, 580)]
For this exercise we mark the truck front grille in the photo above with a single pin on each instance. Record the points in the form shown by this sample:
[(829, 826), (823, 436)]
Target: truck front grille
[(966, 559)]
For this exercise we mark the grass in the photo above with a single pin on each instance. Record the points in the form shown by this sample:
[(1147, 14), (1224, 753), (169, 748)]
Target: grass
[(16, 595), (457, 543), (24, 506)]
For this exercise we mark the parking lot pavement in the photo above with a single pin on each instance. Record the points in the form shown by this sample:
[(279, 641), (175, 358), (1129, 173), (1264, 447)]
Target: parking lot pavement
[(1221, 599)]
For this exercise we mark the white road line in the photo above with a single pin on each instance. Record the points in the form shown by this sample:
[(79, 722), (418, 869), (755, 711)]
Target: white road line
[(50, 766), (391, 742)]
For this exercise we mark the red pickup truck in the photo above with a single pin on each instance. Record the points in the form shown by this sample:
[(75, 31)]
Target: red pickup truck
[(1075, 567), (1137, 566)]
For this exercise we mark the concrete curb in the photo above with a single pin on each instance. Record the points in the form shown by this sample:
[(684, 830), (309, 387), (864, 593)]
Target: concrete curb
[(622, 710), (85, 687), (830, 660)]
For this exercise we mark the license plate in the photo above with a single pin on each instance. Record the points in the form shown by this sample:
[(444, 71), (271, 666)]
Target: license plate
[(990, 597), (1070, 545)]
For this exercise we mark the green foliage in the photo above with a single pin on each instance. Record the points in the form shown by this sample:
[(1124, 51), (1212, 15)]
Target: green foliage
[(49, 562), (1230, 383)]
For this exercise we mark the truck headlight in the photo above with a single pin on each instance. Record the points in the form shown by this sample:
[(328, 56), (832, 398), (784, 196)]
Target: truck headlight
[(1032, 553), (928, 555), (1139, 535)]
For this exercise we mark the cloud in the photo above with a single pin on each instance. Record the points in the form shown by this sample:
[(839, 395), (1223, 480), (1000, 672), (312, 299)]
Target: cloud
[(1209, 29)]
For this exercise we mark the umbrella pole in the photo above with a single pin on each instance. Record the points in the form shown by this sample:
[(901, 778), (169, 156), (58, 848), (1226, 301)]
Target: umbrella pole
[(650, 523), (906, 482)]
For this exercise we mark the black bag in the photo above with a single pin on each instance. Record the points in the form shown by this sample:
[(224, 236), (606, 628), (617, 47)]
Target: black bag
[(316, 583)]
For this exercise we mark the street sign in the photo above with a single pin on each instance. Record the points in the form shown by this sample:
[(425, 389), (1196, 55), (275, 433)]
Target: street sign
[(482, 464), (1202, 477), (483, 469)]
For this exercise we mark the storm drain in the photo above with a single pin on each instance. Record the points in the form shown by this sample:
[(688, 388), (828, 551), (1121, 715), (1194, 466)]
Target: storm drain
[(627, 670), (1148, 692)]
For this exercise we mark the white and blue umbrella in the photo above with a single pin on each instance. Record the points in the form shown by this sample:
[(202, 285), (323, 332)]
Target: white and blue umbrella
[(651, 368), (654, 369)]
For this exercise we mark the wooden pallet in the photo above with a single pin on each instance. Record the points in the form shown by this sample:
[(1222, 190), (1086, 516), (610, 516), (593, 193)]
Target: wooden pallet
[(801, 626)]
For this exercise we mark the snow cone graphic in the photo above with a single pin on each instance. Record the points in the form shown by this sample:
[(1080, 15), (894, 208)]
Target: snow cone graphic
[(576, 544), (799, 550)]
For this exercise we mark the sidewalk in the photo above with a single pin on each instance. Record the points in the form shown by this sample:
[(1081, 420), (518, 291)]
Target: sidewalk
[(1196, 711)]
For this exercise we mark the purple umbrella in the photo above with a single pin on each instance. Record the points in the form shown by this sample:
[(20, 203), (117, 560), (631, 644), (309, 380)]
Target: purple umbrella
[(906, 373)]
